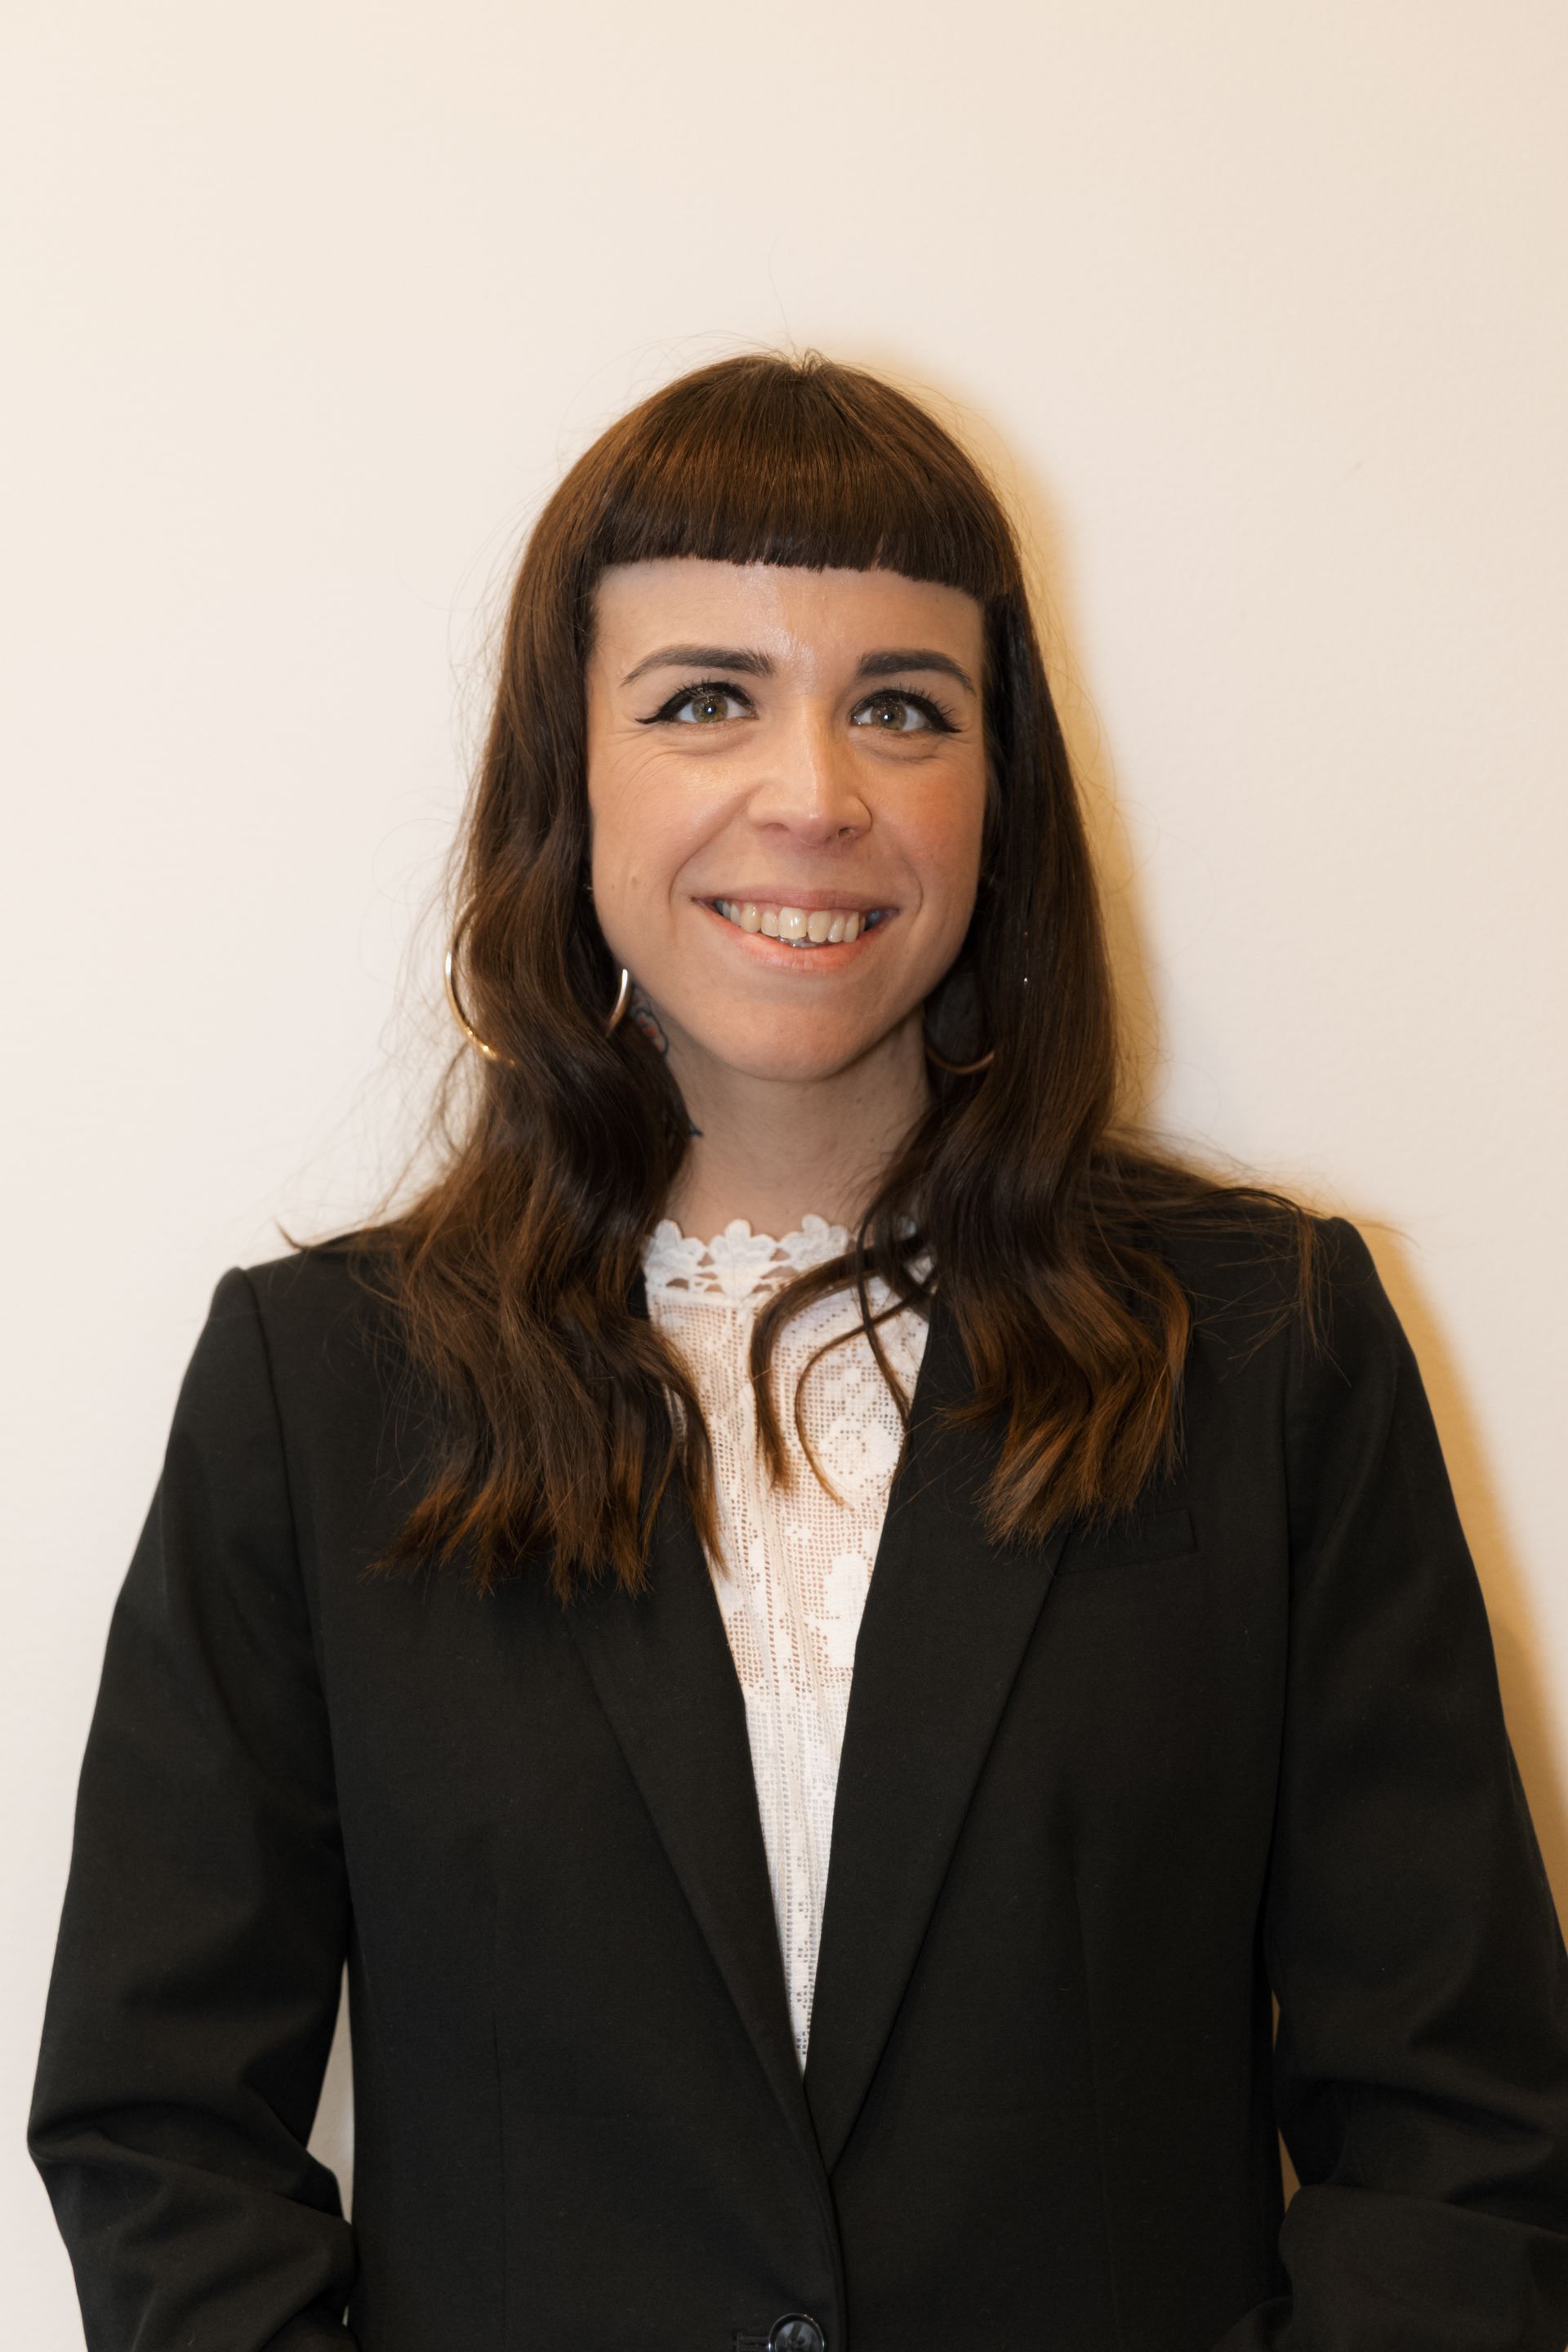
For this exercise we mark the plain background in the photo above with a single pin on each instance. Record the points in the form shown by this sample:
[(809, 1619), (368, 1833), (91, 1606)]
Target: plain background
[(1256, 311)]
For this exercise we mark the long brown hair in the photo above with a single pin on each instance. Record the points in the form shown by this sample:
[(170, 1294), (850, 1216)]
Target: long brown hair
[(564, 1412)]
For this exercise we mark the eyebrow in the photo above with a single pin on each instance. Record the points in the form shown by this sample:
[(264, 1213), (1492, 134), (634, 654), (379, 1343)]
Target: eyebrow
[(886, 663)]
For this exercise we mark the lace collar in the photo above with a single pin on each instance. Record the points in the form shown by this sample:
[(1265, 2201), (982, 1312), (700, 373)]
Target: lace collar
[(736, 1264)]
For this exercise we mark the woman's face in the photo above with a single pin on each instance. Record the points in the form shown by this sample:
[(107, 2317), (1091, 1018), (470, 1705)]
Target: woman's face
[(807, 748)]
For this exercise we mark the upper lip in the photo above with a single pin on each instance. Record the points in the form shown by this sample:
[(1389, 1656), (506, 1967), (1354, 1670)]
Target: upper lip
[(847, 902)]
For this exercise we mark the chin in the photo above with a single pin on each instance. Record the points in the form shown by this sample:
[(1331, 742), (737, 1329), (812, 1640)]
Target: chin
[(793, 1057)]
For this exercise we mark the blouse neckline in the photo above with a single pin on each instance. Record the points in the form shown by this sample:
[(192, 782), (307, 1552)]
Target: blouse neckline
[(736, 1266)]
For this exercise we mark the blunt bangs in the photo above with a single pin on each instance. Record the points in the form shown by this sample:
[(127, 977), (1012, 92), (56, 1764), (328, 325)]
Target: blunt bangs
[(799, 462)]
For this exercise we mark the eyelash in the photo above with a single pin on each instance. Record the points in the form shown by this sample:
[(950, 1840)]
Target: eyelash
[(942, 718)]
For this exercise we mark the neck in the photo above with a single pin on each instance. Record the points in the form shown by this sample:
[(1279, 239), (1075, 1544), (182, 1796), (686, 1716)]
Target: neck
[(775, 1150)]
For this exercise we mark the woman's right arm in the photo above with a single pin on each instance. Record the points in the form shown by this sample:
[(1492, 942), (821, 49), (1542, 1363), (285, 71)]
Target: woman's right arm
[(197, 1975)]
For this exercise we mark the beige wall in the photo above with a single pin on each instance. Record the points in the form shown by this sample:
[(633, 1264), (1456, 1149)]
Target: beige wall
[(1261, 308)]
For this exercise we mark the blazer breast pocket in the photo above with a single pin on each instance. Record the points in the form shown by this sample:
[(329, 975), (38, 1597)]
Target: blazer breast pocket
[(1135, 1540)]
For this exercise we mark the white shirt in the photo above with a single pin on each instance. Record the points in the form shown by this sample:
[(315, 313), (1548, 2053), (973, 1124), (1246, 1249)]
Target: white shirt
[(799, 1563)]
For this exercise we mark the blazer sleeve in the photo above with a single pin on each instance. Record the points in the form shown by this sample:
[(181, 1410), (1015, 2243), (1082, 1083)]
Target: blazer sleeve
[(1421, 2060), (197, 1969)]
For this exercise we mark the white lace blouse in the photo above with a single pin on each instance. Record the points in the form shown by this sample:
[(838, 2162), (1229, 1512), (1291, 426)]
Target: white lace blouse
[(799, 1563)]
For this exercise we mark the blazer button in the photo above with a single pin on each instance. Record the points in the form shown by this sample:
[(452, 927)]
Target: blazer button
[(796, 2333)]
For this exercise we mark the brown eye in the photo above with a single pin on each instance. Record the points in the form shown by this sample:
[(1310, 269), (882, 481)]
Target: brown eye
[(703, 706), (900, 714)]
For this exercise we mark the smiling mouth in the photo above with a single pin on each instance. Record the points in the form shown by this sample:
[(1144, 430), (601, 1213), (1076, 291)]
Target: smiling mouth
[(800, 927)]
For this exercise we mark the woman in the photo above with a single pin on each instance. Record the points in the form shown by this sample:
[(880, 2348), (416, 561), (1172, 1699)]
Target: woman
[(822, 1625)]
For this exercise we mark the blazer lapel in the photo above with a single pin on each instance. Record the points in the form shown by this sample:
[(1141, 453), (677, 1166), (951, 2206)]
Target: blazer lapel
[(663, 1669), (946, 1622), (947, 1618)]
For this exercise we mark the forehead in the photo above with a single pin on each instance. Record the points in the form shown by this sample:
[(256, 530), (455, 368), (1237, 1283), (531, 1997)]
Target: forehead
[(693, 597)]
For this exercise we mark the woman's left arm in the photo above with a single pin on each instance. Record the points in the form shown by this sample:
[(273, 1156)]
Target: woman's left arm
[(1421, 2063)]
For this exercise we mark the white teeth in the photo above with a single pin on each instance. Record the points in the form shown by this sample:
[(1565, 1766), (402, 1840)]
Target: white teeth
[(797, 926)]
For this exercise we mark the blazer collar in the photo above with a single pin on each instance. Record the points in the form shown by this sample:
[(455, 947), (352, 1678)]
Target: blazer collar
[(947, 1618)]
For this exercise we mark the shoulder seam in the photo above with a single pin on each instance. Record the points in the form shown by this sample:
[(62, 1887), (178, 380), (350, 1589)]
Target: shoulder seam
[(272, 1380)]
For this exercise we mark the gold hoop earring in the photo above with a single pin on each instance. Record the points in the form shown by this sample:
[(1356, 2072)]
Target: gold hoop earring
[(489, 1052), (462, 1018), (958, 1069)]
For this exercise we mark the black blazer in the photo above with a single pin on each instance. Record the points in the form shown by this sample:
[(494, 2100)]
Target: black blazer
[(1098, 1797)]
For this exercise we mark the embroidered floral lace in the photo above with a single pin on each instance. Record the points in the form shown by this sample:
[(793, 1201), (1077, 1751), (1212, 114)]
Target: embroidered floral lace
[(799, 1563)]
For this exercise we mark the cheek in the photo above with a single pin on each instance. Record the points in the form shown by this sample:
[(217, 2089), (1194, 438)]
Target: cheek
[(944, 840), (647, 824), (643, 828)]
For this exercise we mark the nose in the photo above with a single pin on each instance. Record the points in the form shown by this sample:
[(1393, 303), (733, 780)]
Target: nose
[(811, 785)]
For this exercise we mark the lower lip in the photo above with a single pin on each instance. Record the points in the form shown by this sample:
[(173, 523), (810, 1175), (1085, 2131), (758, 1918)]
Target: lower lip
[(829, 958)]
